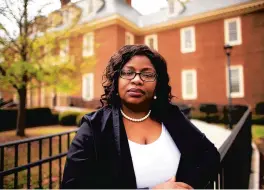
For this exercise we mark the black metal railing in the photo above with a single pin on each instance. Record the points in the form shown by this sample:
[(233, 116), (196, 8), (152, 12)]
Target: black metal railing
[(236, 156), (7, 170)]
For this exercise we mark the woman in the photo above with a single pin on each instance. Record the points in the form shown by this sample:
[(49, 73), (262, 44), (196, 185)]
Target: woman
[(139, 139)]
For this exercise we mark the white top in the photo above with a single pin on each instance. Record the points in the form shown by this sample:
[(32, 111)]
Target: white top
[(156, 162)]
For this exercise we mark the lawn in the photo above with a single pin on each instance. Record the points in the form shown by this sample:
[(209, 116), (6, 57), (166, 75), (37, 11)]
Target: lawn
[(22, 155), (257, 131)]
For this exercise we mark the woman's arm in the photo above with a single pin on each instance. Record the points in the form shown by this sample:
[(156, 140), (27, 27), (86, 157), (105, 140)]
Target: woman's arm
[(79, 171)]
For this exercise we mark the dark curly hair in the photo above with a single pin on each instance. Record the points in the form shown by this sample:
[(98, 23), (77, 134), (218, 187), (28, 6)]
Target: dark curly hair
[(117, 62)]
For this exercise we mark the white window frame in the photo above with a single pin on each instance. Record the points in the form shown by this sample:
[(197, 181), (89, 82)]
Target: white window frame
[(86, 53), (186, 96), (132, 38), (193, 39), (239, 94), (64, 51), (155, 40), (84, 87), (239, 31)]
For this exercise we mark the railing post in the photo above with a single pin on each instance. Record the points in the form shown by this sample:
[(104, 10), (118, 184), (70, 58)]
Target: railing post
[(29, 160), (50, 163), (1, 167)]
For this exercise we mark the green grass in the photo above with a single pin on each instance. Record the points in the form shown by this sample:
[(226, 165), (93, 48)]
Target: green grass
[(257, 131)]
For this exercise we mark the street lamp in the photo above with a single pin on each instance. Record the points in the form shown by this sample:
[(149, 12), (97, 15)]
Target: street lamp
[(228, 49)]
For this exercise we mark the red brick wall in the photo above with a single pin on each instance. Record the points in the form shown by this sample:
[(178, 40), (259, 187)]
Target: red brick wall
[(209, 60), (108, 40)]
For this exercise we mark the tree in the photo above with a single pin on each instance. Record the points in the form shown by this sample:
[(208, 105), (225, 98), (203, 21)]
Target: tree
[(29, 51)]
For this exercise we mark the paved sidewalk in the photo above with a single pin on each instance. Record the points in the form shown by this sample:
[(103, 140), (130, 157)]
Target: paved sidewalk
[(213, 132)]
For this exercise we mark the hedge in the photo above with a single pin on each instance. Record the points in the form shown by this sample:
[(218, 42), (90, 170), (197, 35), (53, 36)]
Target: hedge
[(34, 117), (69, 118), (260, 108)]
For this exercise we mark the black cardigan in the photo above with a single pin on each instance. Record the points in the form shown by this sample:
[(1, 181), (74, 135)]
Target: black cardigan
[(99, 156)]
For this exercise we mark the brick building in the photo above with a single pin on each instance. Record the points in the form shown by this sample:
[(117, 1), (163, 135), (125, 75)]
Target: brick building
[(190, 37)]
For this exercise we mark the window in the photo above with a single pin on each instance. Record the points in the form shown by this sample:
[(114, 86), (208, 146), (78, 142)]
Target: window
[(233, 34), (88, 45), (129, 38), (152, 41), (88, 86), (237, 81), (188, 40), (189, 84), (64, 48)]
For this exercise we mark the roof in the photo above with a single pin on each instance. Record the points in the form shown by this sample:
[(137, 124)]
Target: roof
[(106, 8)]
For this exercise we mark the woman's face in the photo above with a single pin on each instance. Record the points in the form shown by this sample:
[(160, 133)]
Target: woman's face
[(135, 90)]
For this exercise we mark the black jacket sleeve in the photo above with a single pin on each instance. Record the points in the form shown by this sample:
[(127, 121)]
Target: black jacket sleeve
[(80, 162)]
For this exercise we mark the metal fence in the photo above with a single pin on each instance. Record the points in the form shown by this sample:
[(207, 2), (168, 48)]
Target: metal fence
[(236, 156), (16, 146)]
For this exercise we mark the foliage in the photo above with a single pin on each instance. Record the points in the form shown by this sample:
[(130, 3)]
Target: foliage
[(34, 117), (260, 108), (68, 118), (80, 116), (29, 56)]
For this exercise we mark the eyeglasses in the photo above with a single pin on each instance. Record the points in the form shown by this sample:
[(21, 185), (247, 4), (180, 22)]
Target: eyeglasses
[(144, 76)]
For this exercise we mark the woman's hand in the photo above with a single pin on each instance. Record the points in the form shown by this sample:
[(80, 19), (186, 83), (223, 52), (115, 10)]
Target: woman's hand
[(172, 184)]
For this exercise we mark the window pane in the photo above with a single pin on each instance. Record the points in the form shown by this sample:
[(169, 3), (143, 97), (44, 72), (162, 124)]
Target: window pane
[(188, 41), (233, 31), (128, 40), (189, 84), (151, 43), (235, 80)]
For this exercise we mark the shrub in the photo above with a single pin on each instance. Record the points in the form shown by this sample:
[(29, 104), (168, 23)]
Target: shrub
[(79, 117), (258, 119), (211, 111), (260, 108), (34, 117), (208, 108), (237, 112), (68, 117)]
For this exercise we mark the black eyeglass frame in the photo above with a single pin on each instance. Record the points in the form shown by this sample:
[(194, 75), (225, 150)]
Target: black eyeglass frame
[(140, 73)]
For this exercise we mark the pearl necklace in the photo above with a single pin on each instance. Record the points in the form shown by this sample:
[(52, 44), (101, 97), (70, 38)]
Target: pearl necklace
[(135, 120)]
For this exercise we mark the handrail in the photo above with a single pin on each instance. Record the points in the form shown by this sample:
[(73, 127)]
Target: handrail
[(228, 142), (12, 143)]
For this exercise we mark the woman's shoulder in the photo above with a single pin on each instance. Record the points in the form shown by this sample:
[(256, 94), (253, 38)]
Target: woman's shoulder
[(100, 114)]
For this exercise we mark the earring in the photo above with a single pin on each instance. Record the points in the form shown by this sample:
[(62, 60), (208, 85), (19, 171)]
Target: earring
[(117, 94), (155, 97)]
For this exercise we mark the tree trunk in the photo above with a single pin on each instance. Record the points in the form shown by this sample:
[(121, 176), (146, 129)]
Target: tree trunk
[(21, 114)]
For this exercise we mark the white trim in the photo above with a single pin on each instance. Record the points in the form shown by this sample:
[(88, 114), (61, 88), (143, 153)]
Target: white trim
[(239, 94), (132, 38), (89, 77), (88, 46), (155, 41), (186, 96), (193, 42), (239, 31)]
